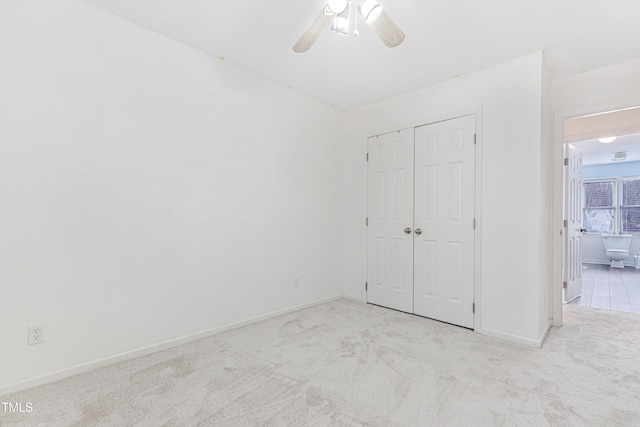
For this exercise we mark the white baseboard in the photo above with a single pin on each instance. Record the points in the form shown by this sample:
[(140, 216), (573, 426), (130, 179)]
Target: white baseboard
[(544, 333), (606, 262), (595, 261), (509, 337), (355, 298), (567, 302), (154, 348)]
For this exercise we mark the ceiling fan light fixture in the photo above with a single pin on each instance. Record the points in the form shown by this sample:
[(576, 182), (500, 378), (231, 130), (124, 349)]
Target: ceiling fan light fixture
[(340, 22), (340, 25), (337, 6), (607, 139), (370, 10)]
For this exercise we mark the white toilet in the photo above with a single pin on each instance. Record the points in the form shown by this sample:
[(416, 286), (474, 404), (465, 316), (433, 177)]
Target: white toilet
[(616, 247)]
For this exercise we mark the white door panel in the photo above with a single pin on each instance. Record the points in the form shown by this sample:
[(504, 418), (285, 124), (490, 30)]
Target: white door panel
[(444, 212), (390, 207), (573, 231)]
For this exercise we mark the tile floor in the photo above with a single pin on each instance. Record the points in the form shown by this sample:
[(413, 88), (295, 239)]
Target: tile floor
[(610, 288)]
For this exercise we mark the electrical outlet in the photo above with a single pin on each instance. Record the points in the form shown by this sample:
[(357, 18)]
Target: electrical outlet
[(36, 334), (296, 283)]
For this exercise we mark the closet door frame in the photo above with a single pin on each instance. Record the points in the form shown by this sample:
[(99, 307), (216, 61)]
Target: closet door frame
[(478, 197)]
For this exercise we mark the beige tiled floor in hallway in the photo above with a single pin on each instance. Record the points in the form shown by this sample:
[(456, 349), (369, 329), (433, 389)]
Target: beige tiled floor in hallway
[(610, 288)]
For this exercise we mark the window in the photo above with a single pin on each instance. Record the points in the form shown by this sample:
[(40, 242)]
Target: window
[(612, 205), (630, 206), (599, 206)]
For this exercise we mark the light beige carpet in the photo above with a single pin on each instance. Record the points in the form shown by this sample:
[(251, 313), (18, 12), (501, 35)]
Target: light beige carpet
[(346, 363)]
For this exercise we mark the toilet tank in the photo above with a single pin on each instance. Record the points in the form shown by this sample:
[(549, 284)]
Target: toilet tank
[(616, 241)]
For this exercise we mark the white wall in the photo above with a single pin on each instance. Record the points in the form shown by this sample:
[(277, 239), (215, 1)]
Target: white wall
[(510, 97), (601, 90), (610, 170), (150, 191), (616, 86)]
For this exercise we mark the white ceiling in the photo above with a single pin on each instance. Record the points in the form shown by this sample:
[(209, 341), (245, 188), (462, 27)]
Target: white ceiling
[(596, 153), (444, 39)]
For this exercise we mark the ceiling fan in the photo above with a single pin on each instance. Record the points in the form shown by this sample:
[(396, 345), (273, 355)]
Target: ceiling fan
[(338, 13)]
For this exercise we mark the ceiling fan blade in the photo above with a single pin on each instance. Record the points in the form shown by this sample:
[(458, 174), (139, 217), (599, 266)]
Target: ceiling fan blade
[(311, 34), (390, 34)]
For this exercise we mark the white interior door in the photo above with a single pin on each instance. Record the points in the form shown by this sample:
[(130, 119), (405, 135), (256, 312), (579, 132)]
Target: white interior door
[(444, 221), (390, 229), (573, 230)]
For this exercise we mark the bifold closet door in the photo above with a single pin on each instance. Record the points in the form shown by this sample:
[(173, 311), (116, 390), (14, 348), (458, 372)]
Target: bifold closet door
[(390, 218), (444, 245)]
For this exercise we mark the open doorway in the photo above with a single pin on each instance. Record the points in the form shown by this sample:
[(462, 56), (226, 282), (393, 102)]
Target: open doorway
[(601, 211)]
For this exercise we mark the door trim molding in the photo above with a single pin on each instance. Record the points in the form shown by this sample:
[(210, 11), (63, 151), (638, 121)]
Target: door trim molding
[(557, 266), (477, 297)]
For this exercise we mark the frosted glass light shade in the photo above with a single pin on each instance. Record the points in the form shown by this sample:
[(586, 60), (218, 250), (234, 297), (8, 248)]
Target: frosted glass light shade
[(337, 6), (340, 25), (370, 10)]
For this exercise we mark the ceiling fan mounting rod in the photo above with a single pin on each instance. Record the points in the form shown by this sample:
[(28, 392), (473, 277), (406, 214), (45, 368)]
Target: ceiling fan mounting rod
[(355, 21)]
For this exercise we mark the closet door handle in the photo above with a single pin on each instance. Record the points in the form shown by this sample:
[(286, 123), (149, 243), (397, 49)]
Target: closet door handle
[(407, 230), (418, 231)]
